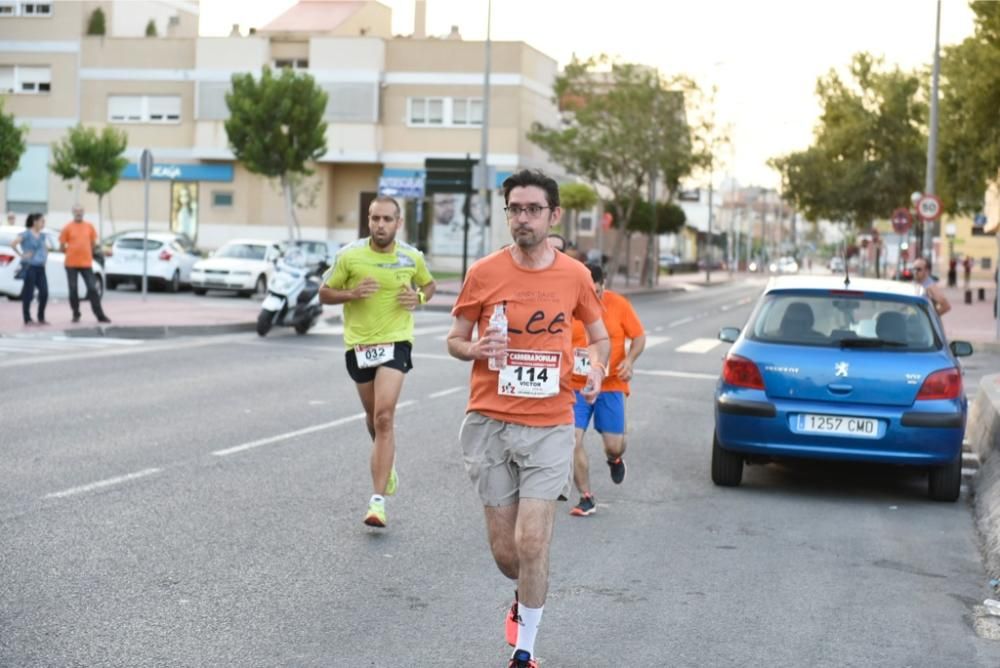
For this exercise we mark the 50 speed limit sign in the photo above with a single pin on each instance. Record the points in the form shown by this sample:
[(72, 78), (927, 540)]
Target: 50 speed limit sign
[(929, 207)]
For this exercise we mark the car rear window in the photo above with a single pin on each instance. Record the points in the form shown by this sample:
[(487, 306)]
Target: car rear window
[(136, 244), (839, 320), (242, 251)]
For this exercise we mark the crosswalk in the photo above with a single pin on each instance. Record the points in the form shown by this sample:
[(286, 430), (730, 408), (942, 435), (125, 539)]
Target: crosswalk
[(13, 347)]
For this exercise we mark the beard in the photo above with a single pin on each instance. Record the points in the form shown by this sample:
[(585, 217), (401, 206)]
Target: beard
[(383, 240), (526, 237)]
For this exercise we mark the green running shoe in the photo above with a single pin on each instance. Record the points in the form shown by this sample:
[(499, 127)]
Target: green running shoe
[(390, 487), (376, 514)]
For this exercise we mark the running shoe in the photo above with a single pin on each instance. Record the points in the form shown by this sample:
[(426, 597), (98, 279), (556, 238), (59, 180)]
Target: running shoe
[(512, 623), (617, 467), (585, 507), (522, 659), (376, 514), (390, 487)]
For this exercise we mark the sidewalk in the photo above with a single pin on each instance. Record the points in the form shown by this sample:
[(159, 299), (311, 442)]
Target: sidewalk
[(972, 322), (184, 314)]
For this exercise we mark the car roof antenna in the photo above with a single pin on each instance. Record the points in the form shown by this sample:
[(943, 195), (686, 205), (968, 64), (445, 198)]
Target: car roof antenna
[(847, 273)]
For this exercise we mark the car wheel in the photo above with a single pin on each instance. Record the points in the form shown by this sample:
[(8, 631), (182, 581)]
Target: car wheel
[(260, 287), (727, 467), (112, 284), (174, 284), (264, 322), (945, 482), (99, 285), (199, 291)]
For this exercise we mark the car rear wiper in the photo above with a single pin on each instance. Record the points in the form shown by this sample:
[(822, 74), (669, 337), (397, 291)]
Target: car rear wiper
[(869, 343)]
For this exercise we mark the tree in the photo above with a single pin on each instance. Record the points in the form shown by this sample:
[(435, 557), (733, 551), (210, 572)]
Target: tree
[(151, 28), (276, 126), (96, 22), (969, 140), (868, 151), (94, 158), (576, 197), (621, 123), (12, 143)]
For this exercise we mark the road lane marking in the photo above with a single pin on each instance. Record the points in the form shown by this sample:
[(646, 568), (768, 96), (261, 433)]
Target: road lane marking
[(682, 321), (299, 432), (655, 340), (678, 374), (699, 346), (450, 390), (101, 483)]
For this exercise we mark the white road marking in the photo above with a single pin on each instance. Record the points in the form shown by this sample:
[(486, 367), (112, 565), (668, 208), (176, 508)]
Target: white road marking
[(682, 321), (699, 346), (102, 483), (450, 390), (117, 352), (337, 330), (678, 374), (655, 340), (299, 432)]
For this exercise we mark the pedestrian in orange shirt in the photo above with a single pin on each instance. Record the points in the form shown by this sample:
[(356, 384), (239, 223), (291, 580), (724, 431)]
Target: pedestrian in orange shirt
[(77, 241), (608, 411), (517, 436)]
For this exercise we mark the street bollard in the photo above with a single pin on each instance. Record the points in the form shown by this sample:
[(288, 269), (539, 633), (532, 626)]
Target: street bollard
[(982, 294), (968, 296)]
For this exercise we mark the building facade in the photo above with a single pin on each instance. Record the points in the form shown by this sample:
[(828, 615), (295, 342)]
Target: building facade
[(393, 102)]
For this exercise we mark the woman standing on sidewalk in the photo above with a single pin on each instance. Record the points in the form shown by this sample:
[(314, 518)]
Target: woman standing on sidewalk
[(30, 245)]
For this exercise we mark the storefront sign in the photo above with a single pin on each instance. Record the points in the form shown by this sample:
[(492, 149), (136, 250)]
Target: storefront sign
[(182, 172)]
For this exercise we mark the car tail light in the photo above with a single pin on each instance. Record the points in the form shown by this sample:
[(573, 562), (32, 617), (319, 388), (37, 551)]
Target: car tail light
[(943, 384), (741, 372), (6, 259), (165, 255)]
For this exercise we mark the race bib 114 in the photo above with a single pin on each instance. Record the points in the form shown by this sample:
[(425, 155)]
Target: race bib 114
[(532, 374)]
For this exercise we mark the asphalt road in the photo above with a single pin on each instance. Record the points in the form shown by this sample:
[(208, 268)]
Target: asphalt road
[(198, 502)]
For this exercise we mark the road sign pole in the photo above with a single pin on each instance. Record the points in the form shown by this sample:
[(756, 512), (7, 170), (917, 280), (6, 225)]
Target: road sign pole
[(146, 172)]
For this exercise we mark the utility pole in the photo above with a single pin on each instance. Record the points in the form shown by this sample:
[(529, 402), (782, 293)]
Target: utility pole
[(932, 136), (485, 188)]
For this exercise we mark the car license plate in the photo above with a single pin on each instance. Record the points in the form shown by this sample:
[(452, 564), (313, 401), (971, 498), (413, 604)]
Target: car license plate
[(838, 425)]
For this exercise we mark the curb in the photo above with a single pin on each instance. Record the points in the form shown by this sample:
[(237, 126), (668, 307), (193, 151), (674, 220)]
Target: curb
[(983, 434)]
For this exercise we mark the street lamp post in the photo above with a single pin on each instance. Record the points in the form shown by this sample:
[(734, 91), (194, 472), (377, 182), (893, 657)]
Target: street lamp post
[(932, 135)]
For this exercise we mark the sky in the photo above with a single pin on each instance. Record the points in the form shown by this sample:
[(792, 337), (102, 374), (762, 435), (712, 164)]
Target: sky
[(763, 56)]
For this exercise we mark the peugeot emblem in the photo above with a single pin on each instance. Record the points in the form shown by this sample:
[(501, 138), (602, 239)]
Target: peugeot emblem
[(841, 369)]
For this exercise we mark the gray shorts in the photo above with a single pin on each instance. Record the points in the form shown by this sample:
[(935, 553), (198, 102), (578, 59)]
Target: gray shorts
[(508, 461)]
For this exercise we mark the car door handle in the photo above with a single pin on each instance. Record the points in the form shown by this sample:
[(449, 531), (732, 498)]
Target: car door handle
[(840, 388)]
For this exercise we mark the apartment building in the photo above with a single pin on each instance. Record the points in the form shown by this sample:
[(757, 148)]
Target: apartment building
[(393, 102)]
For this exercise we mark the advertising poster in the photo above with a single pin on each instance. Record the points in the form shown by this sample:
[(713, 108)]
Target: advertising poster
[(448, 220), (184, 209)]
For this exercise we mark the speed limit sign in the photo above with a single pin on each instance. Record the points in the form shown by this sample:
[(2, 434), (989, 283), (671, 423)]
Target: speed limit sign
[(929, 207)]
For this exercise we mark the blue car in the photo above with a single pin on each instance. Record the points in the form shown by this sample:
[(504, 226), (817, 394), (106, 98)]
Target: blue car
[(842, 369)]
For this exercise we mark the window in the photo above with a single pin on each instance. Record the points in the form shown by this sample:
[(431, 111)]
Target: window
[(222, 198), (25, 79), (446, 111), (144, 108), (11, 8), (291, 63)]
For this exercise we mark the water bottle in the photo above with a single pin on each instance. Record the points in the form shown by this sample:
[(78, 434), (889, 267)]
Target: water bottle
[(498, 322)]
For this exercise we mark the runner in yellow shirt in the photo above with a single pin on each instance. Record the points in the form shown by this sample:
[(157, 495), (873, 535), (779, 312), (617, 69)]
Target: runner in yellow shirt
[(379, 281)]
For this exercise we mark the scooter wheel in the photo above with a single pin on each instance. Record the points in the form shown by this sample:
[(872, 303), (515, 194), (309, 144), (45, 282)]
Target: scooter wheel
[(264, 322)]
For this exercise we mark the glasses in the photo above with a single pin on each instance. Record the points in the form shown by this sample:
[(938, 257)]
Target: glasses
[(920, 269), (381, 219), (533, 211)]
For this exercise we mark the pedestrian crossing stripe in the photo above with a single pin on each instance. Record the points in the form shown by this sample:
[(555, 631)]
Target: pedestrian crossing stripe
[(699, 346)]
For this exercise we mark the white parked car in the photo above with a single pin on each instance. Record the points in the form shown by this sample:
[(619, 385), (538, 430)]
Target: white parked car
[(169, 260), (316, 252), (241, 265), (784, 265), (55, 269)]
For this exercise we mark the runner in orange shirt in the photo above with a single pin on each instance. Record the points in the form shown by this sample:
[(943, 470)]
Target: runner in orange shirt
[(608, 411), (77, 240), (517, 436)]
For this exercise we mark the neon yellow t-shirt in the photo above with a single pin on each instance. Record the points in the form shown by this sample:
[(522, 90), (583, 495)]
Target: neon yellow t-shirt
[(379, 318)]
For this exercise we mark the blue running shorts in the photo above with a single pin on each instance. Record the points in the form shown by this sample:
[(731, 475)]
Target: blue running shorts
[(608, 412)]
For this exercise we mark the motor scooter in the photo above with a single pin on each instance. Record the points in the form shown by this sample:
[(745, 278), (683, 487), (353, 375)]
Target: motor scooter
[(292, 296)]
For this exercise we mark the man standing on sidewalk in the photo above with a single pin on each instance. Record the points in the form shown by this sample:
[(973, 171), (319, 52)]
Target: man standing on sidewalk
[(608, 411), (77, 241), (934, 292), (374, 279), (517, 436)]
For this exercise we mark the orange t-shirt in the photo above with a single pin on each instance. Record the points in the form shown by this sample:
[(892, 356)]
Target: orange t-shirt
[(622, 323), (540, 305), (80, 239)]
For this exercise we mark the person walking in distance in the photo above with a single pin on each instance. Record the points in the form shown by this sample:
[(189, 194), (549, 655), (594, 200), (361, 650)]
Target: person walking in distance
[(380, 281), (77, 240), (922, 276), (517, 435), (608, 411), (30, 245)]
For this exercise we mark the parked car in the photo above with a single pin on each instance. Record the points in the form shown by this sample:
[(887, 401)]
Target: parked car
[(669, 261), (836, 264), (55, 269), (169, 260), (857, 371), (784, 265), (244, 266), (317, 252)]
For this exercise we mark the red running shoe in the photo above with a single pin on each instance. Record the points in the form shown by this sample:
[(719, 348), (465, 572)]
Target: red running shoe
[(512, 623)]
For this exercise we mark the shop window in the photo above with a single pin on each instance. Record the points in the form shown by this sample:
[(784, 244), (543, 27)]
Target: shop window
[(986, 263), (222, 198)]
